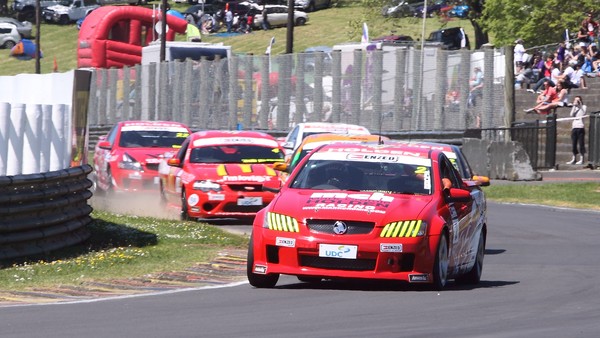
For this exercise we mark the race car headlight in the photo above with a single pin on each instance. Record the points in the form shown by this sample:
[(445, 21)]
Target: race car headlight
[(129, 163), (274, 221), (414, 228), (206, 186)]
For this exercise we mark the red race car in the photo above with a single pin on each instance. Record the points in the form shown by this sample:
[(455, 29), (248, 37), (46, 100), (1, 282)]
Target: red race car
[(221, 174), (127, 158), (392, 212)]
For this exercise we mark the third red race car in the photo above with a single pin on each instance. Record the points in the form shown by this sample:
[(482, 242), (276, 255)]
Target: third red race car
[(221, 174)]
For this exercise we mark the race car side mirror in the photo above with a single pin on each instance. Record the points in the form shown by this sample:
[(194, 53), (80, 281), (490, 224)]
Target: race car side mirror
[(458, 195), (483, 181), (174, 162), (104, 145), (280, 166)]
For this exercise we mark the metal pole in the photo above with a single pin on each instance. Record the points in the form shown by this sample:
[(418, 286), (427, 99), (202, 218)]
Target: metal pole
[(289, 44)]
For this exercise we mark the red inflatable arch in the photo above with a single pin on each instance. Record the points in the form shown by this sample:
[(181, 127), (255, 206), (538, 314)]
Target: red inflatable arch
[(113, 36)]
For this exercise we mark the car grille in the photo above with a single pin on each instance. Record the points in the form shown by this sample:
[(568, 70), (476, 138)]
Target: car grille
[(337, 264), (326, 226), (233, 207), (245, 187), (152, 166)]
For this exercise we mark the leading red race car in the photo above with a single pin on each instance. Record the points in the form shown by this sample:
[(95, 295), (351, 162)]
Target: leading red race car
[(126, 160), (221, 174), (390, 212)]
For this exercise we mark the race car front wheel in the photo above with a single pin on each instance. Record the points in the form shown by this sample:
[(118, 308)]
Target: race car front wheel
[(256, 280), (440, 266), (184, 216)]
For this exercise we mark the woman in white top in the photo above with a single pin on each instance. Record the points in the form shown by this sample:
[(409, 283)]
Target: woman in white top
[(578, 130)]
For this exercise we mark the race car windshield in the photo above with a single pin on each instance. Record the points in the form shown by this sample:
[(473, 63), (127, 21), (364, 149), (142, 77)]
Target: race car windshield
[(152, 139), (397, 178), (236, 154)]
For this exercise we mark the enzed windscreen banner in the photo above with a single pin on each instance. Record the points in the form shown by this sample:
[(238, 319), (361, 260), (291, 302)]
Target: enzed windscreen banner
[(43, 122)]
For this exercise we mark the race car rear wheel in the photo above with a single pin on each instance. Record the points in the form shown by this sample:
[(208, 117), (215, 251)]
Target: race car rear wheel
[(440, 266), (474, 275), (256, 280)]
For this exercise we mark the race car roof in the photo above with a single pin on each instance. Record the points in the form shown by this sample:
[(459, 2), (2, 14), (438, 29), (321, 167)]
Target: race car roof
[(313, 141), (334, 128), (373, 149), (220, 137), (153, 125)]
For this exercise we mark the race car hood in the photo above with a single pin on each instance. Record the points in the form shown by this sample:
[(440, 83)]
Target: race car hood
[(349, 205), (235, 173)]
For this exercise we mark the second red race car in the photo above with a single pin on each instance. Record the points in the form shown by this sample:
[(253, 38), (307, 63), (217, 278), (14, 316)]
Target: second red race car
[(221, 174)]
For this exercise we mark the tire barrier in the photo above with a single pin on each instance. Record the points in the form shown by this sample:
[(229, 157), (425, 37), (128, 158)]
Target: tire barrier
[(43, 212)]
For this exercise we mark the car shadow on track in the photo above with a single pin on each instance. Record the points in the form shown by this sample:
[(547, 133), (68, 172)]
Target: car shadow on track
[(378, 285)]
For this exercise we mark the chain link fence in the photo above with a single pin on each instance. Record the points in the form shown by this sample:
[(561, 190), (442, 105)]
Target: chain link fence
[(387, 89)]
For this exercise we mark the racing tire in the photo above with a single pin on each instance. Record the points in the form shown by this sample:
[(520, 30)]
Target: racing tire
[(474, 275), (184, 216), (256, 280), (440, 265)]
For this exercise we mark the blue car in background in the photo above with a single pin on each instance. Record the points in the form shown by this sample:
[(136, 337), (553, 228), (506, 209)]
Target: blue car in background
[(459, 11)]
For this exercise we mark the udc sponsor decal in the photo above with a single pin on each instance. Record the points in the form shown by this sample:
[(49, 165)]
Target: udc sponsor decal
[(338, 251)]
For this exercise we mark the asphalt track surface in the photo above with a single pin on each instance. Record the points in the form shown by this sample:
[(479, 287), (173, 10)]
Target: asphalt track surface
[(539, 280)]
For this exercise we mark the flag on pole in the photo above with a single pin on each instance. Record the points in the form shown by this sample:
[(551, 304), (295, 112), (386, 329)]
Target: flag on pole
[(268, 51), (365, 34)]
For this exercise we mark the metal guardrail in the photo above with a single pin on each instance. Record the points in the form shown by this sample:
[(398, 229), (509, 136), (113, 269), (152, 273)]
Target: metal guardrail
[(43, 212)]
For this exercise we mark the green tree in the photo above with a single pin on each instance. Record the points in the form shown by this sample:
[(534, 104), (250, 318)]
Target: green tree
[(537, 22)]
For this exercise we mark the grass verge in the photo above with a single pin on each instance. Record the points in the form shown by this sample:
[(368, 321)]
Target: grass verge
[(123, 246)]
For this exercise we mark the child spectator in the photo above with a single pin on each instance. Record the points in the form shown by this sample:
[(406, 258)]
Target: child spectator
[(577, 78)]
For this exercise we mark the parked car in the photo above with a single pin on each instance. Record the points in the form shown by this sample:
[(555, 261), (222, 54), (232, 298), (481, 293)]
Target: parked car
[(309, 59), (371, 212), (9, 36), (278, 16), (311, 5), (25, 9), (221, 174), (395, 39), (127, 159), (193, 14), (400, 8), (302, 130), (432, 8), (23, 27), (459, 11), (450, 38), (68, 11)]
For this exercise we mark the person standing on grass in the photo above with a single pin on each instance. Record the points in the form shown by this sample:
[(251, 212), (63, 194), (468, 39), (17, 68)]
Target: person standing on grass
[(228, 18), (578, 130)]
